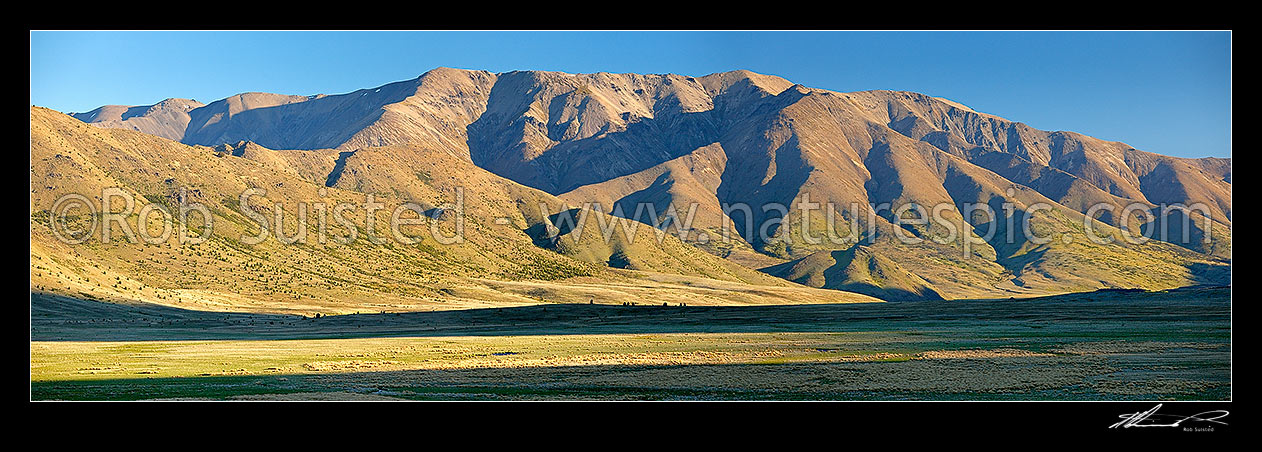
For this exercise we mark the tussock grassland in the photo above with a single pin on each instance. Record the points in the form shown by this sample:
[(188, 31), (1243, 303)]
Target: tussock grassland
[(1103, 345)]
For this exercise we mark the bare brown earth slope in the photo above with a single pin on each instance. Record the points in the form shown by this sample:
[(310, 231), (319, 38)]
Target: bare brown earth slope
[(630, 141)]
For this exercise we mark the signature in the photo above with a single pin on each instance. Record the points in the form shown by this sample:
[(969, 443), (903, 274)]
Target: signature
[(1151, 418)]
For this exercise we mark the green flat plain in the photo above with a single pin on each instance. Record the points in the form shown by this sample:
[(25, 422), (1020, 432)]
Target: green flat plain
[(1106, 345)]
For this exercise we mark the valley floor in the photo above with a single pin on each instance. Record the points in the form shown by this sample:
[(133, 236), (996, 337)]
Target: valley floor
[(1107, 345)]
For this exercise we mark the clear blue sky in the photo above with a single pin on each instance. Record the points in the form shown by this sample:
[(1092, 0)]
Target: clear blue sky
[(1166, 92)]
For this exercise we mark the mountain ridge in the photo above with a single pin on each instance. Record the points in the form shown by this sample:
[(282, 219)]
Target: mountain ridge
[(742, 137)]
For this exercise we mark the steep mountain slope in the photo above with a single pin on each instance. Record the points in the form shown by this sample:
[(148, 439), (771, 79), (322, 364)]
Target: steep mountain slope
[(1115, 167), (358, 266), (743, 151)]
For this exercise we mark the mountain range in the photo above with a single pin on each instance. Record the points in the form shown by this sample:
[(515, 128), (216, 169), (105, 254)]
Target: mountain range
[(603, 146)]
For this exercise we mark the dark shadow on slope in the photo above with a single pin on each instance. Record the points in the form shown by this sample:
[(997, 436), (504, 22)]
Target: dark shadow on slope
[(1187, 229), (764, 199), (1211, 274), (547, 234), (317, 123), (655, 201), (656, 194), (1004, 231), (498, 140), (129, 113), (338, 167), (572, 164)]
